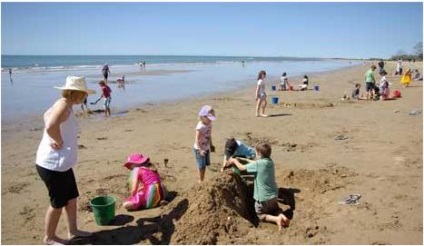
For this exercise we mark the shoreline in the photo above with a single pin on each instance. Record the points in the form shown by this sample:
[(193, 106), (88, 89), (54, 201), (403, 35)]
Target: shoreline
[(376, 160)]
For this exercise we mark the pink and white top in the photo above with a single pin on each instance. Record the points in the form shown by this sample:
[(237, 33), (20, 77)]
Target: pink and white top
[(204, 136)]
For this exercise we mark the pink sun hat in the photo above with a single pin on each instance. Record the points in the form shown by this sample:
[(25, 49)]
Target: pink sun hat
[(208, 111), (136, 159)]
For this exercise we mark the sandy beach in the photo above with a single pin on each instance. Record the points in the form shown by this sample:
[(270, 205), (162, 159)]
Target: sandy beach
[(324, 149)]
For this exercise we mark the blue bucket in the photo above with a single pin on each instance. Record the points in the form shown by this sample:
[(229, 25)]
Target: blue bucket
[(273, 87), (274, 100), (316, 88)]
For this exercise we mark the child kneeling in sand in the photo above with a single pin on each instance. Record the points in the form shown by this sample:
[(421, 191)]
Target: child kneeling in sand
[(147, 190), (265, 188), (236, 148)]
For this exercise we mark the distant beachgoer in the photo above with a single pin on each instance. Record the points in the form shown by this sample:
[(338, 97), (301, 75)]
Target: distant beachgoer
[(265, 192), (121, 81), (356, 92), (406, 79), (381, 65), (284, 82), (417, 75), (144, 64), (146, 188), (384, 86), (106, 94), (57, 155), (370, 82), (203, 140), (105, 71), (10, 72), (236, 148), (260, 94), (398, 67), (305, 83)]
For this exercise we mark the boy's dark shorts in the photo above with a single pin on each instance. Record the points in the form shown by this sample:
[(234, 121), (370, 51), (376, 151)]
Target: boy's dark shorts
[(268, 207), (369, 86), (62, 186)]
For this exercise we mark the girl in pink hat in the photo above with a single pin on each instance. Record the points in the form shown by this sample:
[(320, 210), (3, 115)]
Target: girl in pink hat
[(146, 187)]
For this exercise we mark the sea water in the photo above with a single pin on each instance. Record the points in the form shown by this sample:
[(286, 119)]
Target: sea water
[(29, 91)]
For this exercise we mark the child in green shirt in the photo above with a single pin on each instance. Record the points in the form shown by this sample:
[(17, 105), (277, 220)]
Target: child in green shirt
[(265, 188)]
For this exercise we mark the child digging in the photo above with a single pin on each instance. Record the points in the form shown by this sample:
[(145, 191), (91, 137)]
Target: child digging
[(265, 188)]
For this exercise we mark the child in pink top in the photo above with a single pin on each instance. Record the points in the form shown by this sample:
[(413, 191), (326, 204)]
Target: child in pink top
[(147, 190)]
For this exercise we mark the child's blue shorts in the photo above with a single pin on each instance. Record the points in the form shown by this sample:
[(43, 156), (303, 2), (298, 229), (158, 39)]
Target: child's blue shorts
[(202, 161)]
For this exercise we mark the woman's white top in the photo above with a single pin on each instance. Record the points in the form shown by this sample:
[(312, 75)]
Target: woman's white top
[(65, 158)]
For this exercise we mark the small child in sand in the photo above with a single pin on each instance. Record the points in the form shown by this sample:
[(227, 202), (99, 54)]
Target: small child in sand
[(236, 148), (147, 190), (265, 190), (406, 78), (284, 85), (356, 91), (305, 83), (203, 140), (384, 86), (106, 91), (121, 81)]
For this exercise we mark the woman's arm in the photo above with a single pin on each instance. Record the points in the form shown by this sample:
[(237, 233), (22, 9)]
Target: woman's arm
[(256, 92), (58, 115)]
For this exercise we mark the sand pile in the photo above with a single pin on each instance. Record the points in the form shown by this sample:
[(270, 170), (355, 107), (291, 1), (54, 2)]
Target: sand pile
[(220, 208)]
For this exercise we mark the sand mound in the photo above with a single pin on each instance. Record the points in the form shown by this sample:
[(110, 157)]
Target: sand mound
[(228, 200)]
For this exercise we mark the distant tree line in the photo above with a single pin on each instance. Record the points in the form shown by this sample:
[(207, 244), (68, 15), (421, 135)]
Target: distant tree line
[(417, 54)]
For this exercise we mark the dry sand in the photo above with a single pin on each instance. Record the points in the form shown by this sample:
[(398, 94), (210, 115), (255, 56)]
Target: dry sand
[(381, 159)]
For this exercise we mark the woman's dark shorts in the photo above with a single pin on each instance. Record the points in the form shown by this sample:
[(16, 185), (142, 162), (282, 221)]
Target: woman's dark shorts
[(62, 186)]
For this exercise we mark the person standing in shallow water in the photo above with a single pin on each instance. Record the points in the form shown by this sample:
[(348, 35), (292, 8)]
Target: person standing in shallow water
[(105, 72), (56, 157)]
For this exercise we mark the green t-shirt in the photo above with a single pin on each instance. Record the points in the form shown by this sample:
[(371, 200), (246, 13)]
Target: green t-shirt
[(265, 187), (369, 76)]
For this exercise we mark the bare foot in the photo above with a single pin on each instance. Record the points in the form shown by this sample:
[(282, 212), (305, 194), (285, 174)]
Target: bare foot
[(79, 233), (128, 206), (55, 241), (264, 115), (285, 220)]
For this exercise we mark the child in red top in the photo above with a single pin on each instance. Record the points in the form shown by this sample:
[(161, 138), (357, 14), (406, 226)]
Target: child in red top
[(106, 94)]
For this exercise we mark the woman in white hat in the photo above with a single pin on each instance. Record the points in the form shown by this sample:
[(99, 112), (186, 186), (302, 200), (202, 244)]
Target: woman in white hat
[(57, 154)]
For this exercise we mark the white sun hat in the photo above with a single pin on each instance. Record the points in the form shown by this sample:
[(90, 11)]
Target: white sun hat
[(76, 84)]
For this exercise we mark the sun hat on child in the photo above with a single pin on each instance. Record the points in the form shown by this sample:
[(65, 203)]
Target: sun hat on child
[(74, 83), (207, 111), (136, 158)]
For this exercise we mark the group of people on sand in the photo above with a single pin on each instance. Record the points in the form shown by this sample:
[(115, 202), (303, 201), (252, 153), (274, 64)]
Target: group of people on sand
[(261, 96), (382, 91), (259, 163), (57, 155)]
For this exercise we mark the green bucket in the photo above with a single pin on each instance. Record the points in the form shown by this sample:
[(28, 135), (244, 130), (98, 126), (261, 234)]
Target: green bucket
[(103, 209)]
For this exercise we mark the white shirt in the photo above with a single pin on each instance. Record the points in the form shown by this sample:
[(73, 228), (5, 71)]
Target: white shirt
[(261, 84), (65, 158), (283, 80)]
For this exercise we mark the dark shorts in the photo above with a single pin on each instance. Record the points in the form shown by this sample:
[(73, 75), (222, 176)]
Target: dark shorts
[(268, 207), (369, 86), (105, 74), (202, 161), (61, 186)]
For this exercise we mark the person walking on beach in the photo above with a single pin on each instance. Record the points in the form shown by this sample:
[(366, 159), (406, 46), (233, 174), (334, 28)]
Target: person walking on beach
[(105, 72), (370, 82), (10, 73), (57, 155), (106, 94), (203, 140), (265, 192), (399, 67), (260, 94)]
